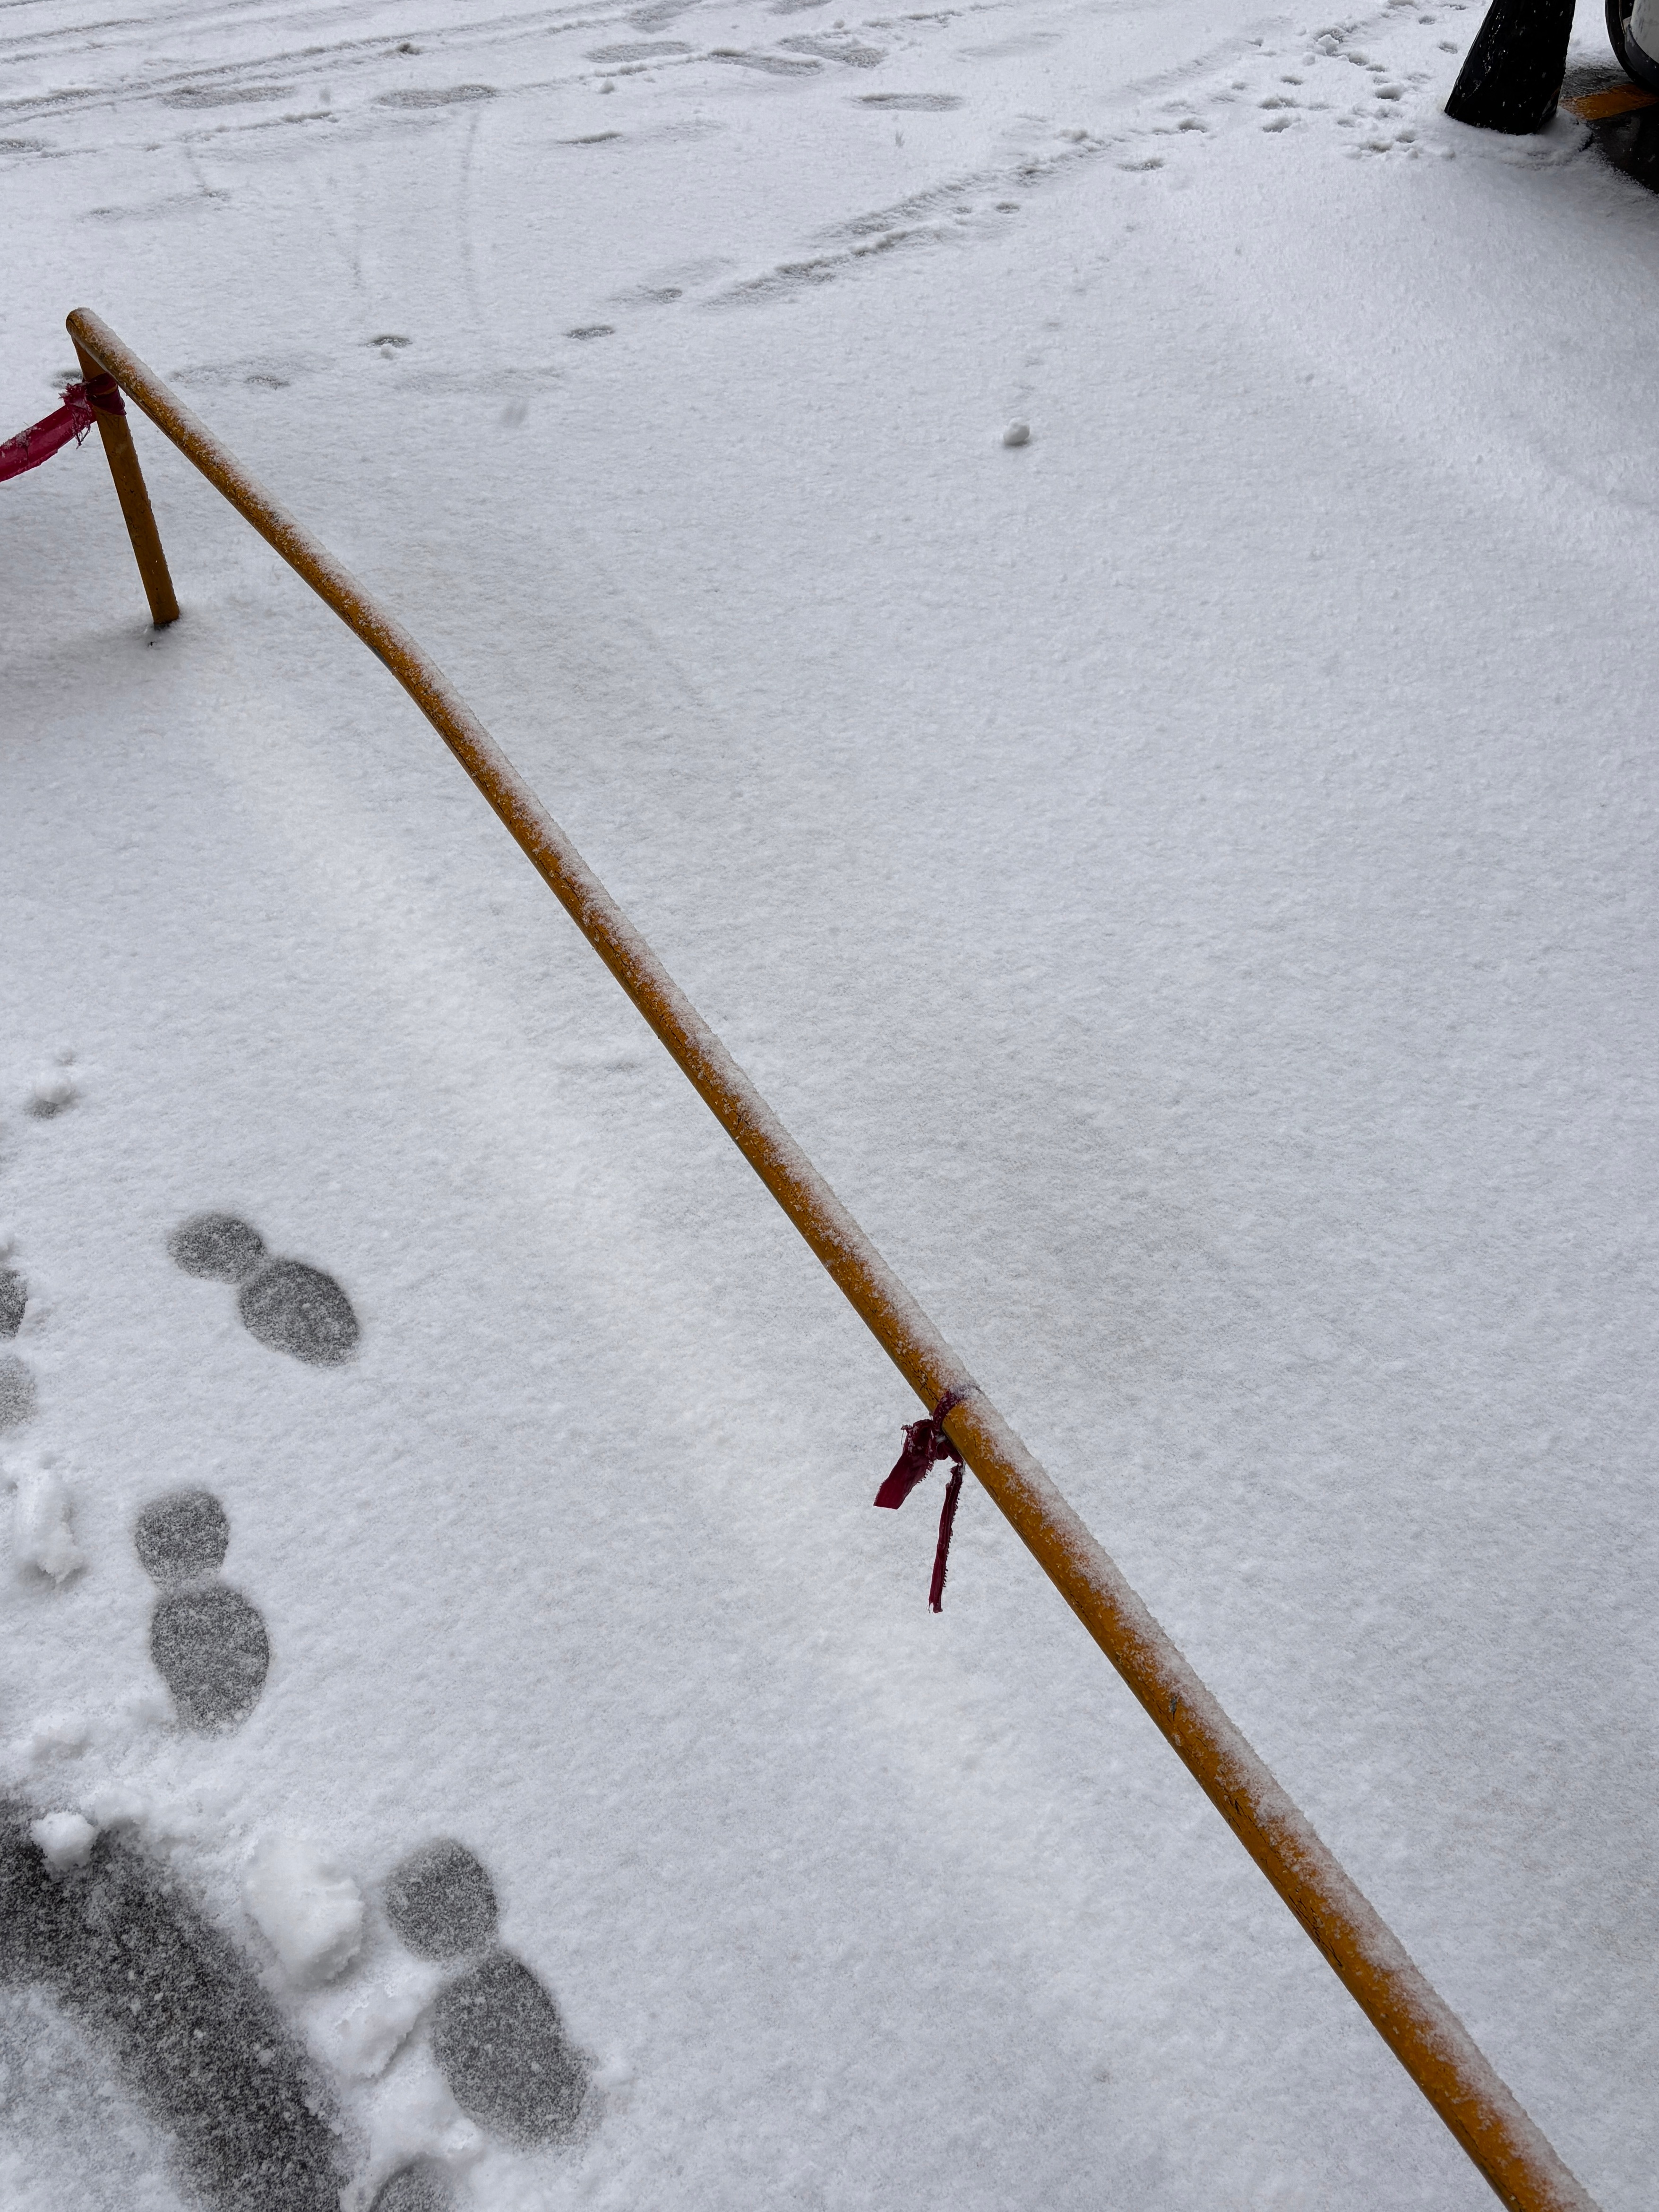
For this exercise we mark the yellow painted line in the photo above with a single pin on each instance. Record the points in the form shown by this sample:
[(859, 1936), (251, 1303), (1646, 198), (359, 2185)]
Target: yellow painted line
[(1597, 106)]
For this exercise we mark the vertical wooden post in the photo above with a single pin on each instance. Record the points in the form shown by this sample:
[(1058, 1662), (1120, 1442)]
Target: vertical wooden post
[(130, 489)]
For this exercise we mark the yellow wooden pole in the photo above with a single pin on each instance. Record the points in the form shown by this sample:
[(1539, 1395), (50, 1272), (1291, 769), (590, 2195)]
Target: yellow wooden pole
[(131, 490), (1417, 2024)]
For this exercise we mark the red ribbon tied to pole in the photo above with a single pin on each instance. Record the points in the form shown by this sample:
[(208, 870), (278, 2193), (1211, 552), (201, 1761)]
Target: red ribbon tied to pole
[(925, 1442), (79, 410)]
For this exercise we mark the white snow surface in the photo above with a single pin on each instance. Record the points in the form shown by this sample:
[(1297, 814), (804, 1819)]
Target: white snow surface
[(1189, 880)]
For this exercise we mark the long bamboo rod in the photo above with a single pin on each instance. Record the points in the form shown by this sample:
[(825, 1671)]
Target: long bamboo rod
[(1419, 2027)]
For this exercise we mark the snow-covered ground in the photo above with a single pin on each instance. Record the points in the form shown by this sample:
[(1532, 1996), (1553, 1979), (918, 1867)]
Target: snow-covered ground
[(1189, 880)]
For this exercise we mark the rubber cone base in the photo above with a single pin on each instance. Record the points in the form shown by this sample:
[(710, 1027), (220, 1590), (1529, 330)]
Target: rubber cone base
[(1511, 78)]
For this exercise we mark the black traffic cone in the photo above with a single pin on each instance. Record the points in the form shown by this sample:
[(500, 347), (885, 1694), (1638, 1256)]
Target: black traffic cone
[(1511, 79)]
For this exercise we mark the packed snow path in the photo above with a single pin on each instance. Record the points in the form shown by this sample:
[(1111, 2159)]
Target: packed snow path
[(1188, 880)]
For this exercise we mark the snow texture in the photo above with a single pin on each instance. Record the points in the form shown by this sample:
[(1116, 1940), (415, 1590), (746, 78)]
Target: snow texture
[(1189, 880)]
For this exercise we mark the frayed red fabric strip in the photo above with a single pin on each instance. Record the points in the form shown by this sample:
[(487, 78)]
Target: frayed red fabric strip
[(925, 1443), (947, 1520), (39, 443), (83, 403), (921, 1448)]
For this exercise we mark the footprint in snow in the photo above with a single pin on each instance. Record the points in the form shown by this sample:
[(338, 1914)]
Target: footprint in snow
[(420, 2188), (912, 103), (110, 1936), (448, 95), (16, 1391), (17, 1378), (209, 1644), (497, 2034), (286, 1304), (114, 1939), (414, 2188), (769, 64)]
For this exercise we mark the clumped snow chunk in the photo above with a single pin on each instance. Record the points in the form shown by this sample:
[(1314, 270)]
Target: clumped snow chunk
[(53, 1093), (114, 1806), (41, 1535), (365, 2038), (415, 2119), (58, 1736), (1017, 434), (309, 1912), (66, 1838)]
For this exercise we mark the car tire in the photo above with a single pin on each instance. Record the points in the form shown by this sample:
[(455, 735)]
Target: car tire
[(1617, 16)]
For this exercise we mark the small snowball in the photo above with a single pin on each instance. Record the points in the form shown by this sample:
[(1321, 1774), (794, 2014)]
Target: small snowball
[(66, 1838), (309, 1912), (1017, 434), (55, 1091), (40, 1523)]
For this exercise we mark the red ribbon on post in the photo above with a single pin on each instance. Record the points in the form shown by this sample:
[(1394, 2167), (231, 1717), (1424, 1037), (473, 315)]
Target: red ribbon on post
[(925, 1442), (81, 404)]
